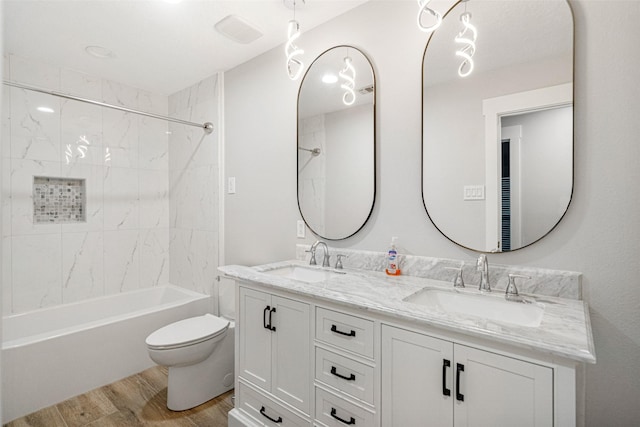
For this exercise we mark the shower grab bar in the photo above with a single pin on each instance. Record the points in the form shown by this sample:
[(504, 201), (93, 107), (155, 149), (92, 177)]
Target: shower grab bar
[(208, 126)]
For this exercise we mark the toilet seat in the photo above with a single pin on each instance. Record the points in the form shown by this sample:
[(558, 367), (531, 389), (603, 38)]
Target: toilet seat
[(187, 332)]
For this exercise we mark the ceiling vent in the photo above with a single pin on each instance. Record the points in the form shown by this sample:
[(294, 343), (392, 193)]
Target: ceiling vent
[(238, 29)]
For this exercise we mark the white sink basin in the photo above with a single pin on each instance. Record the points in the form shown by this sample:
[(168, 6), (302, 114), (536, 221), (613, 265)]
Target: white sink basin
[(303, 274), (491, 307)]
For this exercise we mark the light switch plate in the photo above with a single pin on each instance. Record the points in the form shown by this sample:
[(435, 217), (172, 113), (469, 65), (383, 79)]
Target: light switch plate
[(231, 185), (300, 225)]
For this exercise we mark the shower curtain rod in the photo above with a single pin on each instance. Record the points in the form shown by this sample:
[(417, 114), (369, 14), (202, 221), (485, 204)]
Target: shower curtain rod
[(208, 126)]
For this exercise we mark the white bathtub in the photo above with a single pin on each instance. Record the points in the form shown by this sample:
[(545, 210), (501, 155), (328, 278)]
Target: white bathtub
[(52, 354)]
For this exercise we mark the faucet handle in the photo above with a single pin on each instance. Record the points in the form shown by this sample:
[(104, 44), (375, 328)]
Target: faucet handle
[(312, 260), (458, 280), (339, 260), (511, 293)]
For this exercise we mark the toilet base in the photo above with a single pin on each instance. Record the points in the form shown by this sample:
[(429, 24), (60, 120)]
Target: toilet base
[(190, 386)]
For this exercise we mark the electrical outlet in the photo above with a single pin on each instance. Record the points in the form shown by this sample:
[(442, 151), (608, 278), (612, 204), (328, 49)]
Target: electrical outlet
[(474, 192), (231, 185), (301, 228)]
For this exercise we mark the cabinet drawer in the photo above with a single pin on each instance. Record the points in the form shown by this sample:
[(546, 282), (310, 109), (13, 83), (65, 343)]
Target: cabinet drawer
[(264, 411), (347, 375), (345, 331), (335, 412)]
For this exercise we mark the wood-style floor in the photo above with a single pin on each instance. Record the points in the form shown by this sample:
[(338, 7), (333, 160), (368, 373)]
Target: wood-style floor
[(138, 400)]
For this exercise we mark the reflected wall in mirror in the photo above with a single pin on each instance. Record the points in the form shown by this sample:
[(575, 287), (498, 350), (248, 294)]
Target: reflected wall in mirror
[(497, 145), (336, 143)]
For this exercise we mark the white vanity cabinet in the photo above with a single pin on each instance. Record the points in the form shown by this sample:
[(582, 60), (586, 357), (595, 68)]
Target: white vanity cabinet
[(274, 345), (426, 379)]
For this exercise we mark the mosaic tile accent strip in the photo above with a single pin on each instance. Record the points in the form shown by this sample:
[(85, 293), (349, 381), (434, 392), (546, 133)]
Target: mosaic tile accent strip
[(58, 200)]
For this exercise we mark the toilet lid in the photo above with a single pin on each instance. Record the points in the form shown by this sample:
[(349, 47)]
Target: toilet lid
[(187, 332)]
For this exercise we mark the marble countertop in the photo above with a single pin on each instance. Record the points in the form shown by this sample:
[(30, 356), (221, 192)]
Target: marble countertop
[(565, 329)]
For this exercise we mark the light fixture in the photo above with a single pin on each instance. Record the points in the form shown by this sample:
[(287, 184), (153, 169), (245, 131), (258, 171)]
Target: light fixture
[(348, 73), (45, 109), (294, 66), (424, 9), (467, 37), (329, 78)]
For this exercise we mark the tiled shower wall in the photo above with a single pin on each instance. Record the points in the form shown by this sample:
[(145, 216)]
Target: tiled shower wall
[(193, 183), (124, 242)]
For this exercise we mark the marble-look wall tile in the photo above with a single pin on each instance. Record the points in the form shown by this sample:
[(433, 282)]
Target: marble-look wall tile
[(94, 196), (153, 103), (34, 73), (194, 198), (120, 136), (154, 144), (6, 117), (7, 288), (41, 286), (154, 196), (6, 197), (154, 257), (121, 261), (194, 258), (35, 134), (81, 134), (80, 84), (119, 94), (22, 173), (121, 204), (82, 266)]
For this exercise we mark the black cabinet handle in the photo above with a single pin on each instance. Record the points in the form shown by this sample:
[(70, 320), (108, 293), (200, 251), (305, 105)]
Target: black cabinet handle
[(445, 364), (264, 414), (273, 310), (264, 318), (334, 328), (350, 422), (459, 368), (334, 371)]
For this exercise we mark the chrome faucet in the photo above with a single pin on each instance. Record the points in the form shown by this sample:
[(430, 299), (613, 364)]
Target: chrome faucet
[(483, 267), (325, 260)]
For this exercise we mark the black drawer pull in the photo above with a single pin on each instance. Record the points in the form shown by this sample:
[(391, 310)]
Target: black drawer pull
[(334, 371), (264, 318), (350, 422), (264, 414), (459, 368), (273, 310), (445, 364), (334, 328)]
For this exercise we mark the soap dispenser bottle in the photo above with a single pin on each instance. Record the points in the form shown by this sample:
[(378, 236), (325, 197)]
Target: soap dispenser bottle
[(393, 268)]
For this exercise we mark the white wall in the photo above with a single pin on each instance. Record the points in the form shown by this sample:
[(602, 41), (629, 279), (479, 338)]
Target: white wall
[(599, 235)]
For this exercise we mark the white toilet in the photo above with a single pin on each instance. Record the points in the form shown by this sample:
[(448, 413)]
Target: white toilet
[(199, 354)]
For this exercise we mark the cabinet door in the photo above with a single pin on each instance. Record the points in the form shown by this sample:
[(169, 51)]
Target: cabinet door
[(500, 391), (291, 353), (415, 379), (255, 339)]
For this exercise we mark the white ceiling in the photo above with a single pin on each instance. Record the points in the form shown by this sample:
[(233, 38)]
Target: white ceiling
[(159, 46)]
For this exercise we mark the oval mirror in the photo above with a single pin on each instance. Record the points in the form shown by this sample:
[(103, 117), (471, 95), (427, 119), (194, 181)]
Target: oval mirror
[(336, 143), (497, 144)]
